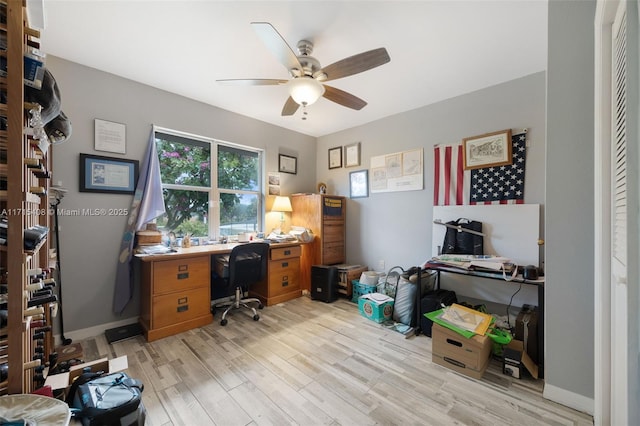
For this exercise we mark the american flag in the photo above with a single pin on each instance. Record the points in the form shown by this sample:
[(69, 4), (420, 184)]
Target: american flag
[(493, 185)]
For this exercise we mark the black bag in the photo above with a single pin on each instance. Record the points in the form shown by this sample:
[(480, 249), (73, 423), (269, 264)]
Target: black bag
[(107, 399), (433, 301), (457, 241)]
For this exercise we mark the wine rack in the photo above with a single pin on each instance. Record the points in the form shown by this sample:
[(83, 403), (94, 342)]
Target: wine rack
[(27, 338)]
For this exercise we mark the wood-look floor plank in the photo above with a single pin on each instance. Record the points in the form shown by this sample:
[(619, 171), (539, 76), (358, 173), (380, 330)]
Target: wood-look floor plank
[(182, 407), (308, 363)]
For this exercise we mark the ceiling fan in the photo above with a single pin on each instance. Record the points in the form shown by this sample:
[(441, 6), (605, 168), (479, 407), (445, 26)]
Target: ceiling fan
[(308, 77)]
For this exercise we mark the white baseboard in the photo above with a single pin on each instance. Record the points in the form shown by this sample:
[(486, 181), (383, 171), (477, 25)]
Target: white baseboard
[(86, 333), (570, 399)]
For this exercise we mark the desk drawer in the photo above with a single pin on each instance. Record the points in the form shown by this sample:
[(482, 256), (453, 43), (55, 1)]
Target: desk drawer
[(180, 274), (285, 252), (170, 309), (284, 276)]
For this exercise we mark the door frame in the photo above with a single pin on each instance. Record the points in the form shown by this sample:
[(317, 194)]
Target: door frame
[(605, 13)]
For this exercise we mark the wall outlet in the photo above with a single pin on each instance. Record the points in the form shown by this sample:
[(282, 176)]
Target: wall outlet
[(380, 265)]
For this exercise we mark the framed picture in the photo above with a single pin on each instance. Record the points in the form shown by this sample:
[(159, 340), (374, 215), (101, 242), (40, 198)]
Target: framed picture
[(335, 157), (352, 155), (287, 164), (359, 184), (110, 136), (488, 150), (108, 174)]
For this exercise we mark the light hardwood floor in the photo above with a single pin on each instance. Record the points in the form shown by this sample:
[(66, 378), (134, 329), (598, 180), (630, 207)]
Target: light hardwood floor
[(307, 362)]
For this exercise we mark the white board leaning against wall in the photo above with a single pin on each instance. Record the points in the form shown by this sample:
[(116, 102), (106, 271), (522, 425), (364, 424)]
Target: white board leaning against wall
[(511, 230)]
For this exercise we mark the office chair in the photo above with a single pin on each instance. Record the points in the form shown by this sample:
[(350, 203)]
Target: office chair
[(246, 265)]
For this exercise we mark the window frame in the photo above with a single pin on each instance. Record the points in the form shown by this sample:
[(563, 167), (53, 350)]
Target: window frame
[(213, 210)]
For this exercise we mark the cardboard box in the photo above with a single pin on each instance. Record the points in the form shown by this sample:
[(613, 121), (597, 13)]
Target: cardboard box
[(376, 306), (64, 380), (515, 360), (466, 356)]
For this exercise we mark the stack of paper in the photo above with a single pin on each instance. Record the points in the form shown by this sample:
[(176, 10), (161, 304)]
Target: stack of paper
[(466, 318)]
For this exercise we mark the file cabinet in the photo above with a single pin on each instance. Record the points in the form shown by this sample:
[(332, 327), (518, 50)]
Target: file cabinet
[(175, 294), (325, 215), (283, 276)]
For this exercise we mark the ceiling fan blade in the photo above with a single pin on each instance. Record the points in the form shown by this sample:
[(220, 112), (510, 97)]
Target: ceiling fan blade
[(355, 64), (278, 46), (343, 98), (252, 82), (290, 107)]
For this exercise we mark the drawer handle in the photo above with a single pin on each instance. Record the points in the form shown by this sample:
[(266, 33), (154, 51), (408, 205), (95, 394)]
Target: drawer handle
[(182, 300), (287, 252), (183, 267), (183, 308), (183, 276), (285, 283), (285, 264)]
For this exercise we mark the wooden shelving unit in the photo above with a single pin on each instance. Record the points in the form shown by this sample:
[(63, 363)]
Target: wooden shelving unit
[(24, 210)]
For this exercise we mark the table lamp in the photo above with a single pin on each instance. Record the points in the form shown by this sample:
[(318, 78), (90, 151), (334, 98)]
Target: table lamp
[(282, 205)]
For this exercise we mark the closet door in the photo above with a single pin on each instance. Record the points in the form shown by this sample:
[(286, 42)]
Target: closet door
[(619, 219)]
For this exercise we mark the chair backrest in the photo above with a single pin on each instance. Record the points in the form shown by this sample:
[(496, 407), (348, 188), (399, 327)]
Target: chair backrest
[(248, 263)]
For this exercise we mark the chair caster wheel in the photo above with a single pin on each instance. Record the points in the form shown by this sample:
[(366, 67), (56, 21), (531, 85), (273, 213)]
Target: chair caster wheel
[(256, 317), (260, 306), (223, 322)]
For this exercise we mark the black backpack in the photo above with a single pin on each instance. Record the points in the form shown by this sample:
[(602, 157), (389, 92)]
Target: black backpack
[(107, 399), (458, 241)]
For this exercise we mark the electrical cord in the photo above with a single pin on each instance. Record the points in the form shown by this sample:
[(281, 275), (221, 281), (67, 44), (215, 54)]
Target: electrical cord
[(509, 305)]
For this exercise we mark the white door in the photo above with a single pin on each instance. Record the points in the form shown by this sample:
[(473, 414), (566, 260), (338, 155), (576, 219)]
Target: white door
[(611, 189), (619, 214)]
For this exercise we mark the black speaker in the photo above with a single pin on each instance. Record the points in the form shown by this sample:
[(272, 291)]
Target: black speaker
[(324, 283)]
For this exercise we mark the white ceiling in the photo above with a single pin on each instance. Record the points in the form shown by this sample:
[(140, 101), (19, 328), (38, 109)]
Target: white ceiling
[(438, 49)]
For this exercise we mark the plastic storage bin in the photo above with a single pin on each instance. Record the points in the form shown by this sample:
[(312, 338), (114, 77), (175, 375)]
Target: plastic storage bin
[(359, 289)]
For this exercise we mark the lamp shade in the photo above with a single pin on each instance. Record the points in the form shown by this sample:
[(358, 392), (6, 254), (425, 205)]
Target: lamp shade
[(305, 90), (281, 204)]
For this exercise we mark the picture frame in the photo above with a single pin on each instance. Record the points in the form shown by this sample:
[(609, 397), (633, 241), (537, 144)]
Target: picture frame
[(110, 136), (352, 155), (287, 164), (335, 157), (488, 150), (108, 174), (359, 184)]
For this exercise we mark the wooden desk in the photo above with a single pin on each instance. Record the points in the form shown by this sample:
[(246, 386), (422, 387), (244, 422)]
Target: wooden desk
[(175, 288), (518, 279)]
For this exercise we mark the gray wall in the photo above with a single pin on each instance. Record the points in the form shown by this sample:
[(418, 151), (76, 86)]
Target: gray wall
[(89, 245), (396, 226), (569, 207)]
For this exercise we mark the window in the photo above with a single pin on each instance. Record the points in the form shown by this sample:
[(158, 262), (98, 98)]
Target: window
[(188, 166)]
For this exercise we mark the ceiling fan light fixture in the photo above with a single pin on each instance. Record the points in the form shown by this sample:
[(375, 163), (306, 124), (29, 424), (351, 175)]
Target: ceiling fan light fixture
[(305, 90)]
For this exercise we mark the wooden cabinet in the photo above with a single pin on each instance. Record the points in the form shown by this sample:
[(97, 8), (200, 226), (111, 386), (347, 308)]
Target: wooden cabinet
[(283, 276), (175, 294), (325, 216)]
